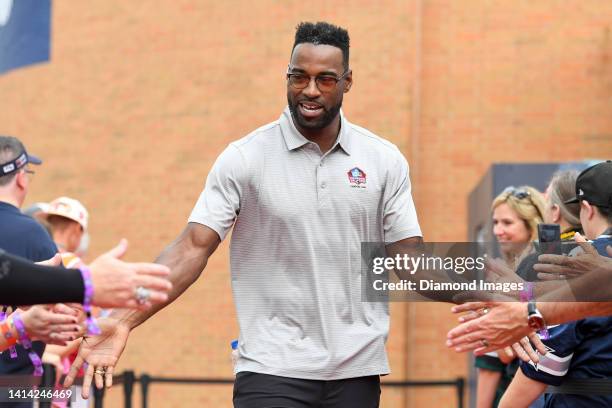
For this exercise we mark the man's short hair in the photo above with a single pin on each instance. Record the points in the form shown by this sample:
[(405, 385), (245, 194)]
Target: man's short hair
[(10, 148), (606, 213), (322, 33)]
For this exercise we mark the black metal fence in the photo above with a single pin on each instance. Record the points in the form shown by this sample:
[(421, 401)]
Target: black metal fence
[(129, 379)]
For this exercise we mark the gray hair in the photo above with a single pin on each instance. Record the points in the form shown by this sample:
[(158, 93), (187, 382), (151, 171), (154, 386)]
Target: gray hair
[(562, 188)]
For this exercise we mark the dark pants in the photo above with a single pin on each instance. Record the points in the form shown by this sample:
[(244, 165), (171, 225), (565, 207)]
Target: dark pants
[(254, 390)]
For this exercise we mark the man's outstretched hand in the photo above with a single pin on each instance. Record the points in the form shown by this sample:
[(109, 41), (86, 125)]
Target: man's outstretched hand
[(101, 354)]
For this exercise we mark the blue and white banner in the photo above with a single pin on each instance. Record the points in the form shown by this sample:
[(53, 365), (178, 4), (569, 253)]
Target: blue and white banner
[(25, 27)]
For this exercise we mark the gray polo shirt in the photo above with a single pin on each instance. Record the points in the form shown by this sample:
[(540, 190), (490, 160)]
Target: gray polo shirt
[(299, 218)]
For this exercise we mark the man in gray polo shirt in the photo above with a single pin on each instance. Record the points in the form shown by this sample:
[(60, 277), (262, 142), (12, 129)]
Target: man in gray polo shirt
[(301, 193)]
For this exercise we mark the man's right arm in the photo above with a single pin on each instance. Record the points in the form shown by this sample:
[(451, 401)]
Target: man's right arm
[(186, 257), (211, 219)]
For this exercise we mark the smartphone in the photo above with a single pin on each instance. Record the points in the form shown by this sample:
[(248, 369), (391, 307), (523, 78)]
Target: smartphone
[(549, 236)]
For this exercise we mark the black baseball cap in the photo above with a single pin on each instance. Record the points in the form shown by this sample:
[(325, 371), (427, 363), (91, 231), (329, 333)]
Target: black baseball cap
[(20, 160), (595, 185)]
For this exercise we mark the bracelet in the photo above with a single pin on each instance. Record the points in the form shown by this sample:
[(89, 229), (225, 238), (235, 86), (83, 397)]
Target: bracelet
[(12, 349), (92, 327), (7, 333), (26, 343)]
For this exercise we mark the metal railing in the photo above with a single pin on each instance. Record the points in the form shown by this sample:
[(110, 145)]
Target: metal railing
[(129, 379)]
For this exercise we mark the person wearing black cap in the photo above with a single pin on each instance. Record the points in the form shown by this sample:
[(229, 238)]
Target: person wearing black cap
[(594, 193), (579, 351), (20, 235)]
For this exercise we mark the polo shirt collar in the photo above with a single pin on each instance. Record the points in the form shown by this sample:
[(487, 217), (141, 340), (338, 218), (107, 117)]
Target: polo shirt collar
[(344, 138), (294, 139)]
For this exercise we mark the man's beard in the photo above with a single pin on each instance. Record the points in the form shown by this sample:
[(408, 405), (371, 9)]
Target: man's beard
[(325, 119)]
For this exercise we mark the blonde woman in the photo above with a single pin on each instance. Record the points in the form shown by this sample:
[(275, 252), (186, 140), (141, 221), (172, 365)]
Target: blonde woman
[(516, 213)]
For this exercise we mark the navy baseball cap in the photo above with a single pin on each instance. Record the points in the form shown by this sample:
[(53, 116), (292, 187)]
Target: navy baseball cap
[(595, 185), (13, 144)]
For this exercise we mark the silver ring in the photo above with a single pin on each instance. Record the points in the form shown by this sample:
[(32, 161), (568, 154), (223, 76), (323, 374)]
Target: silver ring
[(100, 371), (484, 343), (142, 295)]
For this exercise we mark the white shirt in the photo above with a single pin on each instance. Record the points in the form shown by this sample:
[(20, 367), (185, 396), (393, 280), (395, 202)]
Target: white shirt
[(299, 219)]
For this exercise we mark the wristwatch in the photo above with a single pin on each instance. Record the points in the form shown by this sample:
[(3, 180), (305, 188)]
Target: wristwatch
[(535, 320)]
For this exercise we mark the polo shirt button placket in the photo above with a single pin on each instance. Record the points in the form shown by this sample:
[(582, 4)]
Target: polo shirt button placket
[(322, 185)]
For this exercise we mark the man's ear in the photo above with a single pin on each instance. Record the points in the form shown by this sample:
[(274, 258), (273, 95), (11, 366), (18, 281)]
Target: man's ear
[(588, 209), (348, 81), (20, 179)]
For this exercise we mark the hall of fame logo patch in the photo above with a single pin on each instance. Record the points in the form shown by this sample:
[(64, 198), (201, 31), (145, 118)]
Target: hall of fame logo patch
[(357, 177)]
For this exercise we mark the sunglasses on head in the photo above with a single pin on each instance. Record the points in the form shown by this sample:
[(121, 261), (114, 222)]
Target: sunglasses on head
[(519, 193)]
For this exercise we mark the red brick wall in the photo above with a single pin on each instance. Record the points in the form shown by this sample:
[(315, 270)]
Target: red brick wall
[(140, 97)]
